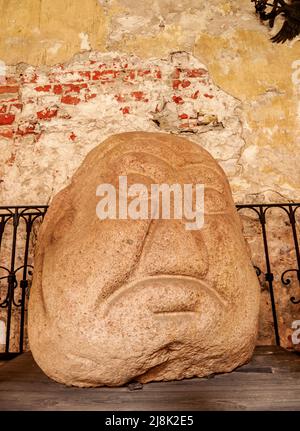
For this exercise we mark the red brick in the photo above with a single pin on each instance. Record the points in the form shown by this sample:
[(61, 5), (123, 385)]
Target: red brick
[(86, 75), (9, 89), (138, 95), (70, 100), (209, 96), (6, 119), (176, 83), (96, 75), (104, 75), (3, 109), (72, 137), (45, 88), (57, 89), (178, 100), (132, 74), (7, 133), (87, 97), (27, 129), (195, 73), (47, 114), (186, 83), (125, 110), (143, 72), (74, 88), (195, 95), (183, 116)]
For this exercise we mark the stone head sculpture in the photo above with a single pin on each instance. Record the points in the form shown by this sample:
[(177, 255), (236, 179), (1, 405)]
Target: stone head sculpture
[(118, 299)]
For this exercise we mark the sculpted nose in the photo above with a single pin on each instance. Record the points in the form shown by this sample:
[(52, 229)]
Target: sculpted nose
[(169, 248)]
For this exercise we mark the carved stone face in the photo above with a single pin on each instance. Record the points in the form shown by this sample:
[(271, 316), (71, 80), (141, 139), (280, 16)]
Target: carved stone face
[(116, 300)]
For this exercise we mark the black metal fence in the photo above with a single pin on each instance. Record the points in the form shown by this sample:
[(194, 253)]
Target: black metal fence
[(17, 225), (261, 213), (16, 229)]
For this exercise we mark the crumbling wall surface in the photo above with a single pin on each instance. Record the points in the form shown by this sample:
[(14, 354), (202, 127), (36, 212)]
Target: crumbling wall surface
[(74, 72), (53, 117), (224, 37)]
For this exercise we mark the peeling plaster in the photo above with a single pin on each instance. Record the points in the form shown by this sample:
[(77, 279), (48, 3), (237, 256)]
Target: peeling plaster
[(64, 115)]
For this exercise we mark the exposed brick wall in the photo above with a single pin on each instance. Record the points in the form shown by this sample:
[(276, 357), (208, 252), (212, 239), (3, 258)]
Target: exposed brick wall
[(79, 83), (46, 109)]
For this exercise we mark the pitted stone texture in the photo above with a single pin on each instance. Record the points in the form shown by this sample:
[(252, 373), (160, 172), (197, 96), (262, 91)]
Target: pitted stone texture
[(116, 300)]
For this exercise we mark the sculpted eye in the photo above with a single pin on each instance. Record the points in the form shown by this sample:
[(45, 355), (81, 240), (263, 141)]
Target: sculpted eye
[(142, 163), (214, 202), (200, 174)]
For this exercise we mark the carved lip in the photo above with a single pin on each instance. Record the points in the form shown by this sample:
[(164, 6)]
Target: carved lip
[(169, 294)]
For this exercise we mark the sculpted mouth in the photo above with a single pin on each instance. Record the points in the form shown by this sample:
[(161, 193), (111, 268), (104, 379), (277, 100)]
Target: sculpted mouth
[(166, 295)]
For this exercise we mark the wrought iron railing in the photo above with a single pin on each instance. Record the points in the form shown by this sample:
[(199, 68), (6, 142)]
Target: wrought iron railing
[(16, 229), (15, 278), (261, 214)]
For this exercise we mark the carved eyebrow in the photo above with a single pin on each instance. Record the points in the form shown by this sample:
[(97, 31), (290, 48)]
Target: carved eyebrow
[(155, 165), (150, 166), (210, 177), (217, 209), (142, 153)]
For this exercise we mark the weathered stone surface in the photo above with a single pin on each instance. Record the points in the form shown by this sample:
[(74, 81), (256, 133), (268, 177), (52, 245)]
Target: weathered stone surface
[(116, 300)]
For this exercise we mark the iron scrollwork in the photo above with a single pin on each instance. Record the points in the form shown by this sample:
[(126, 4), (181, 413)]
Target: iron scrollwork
[(287, 281), (261, 211), (15, 298), (12, 285)]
